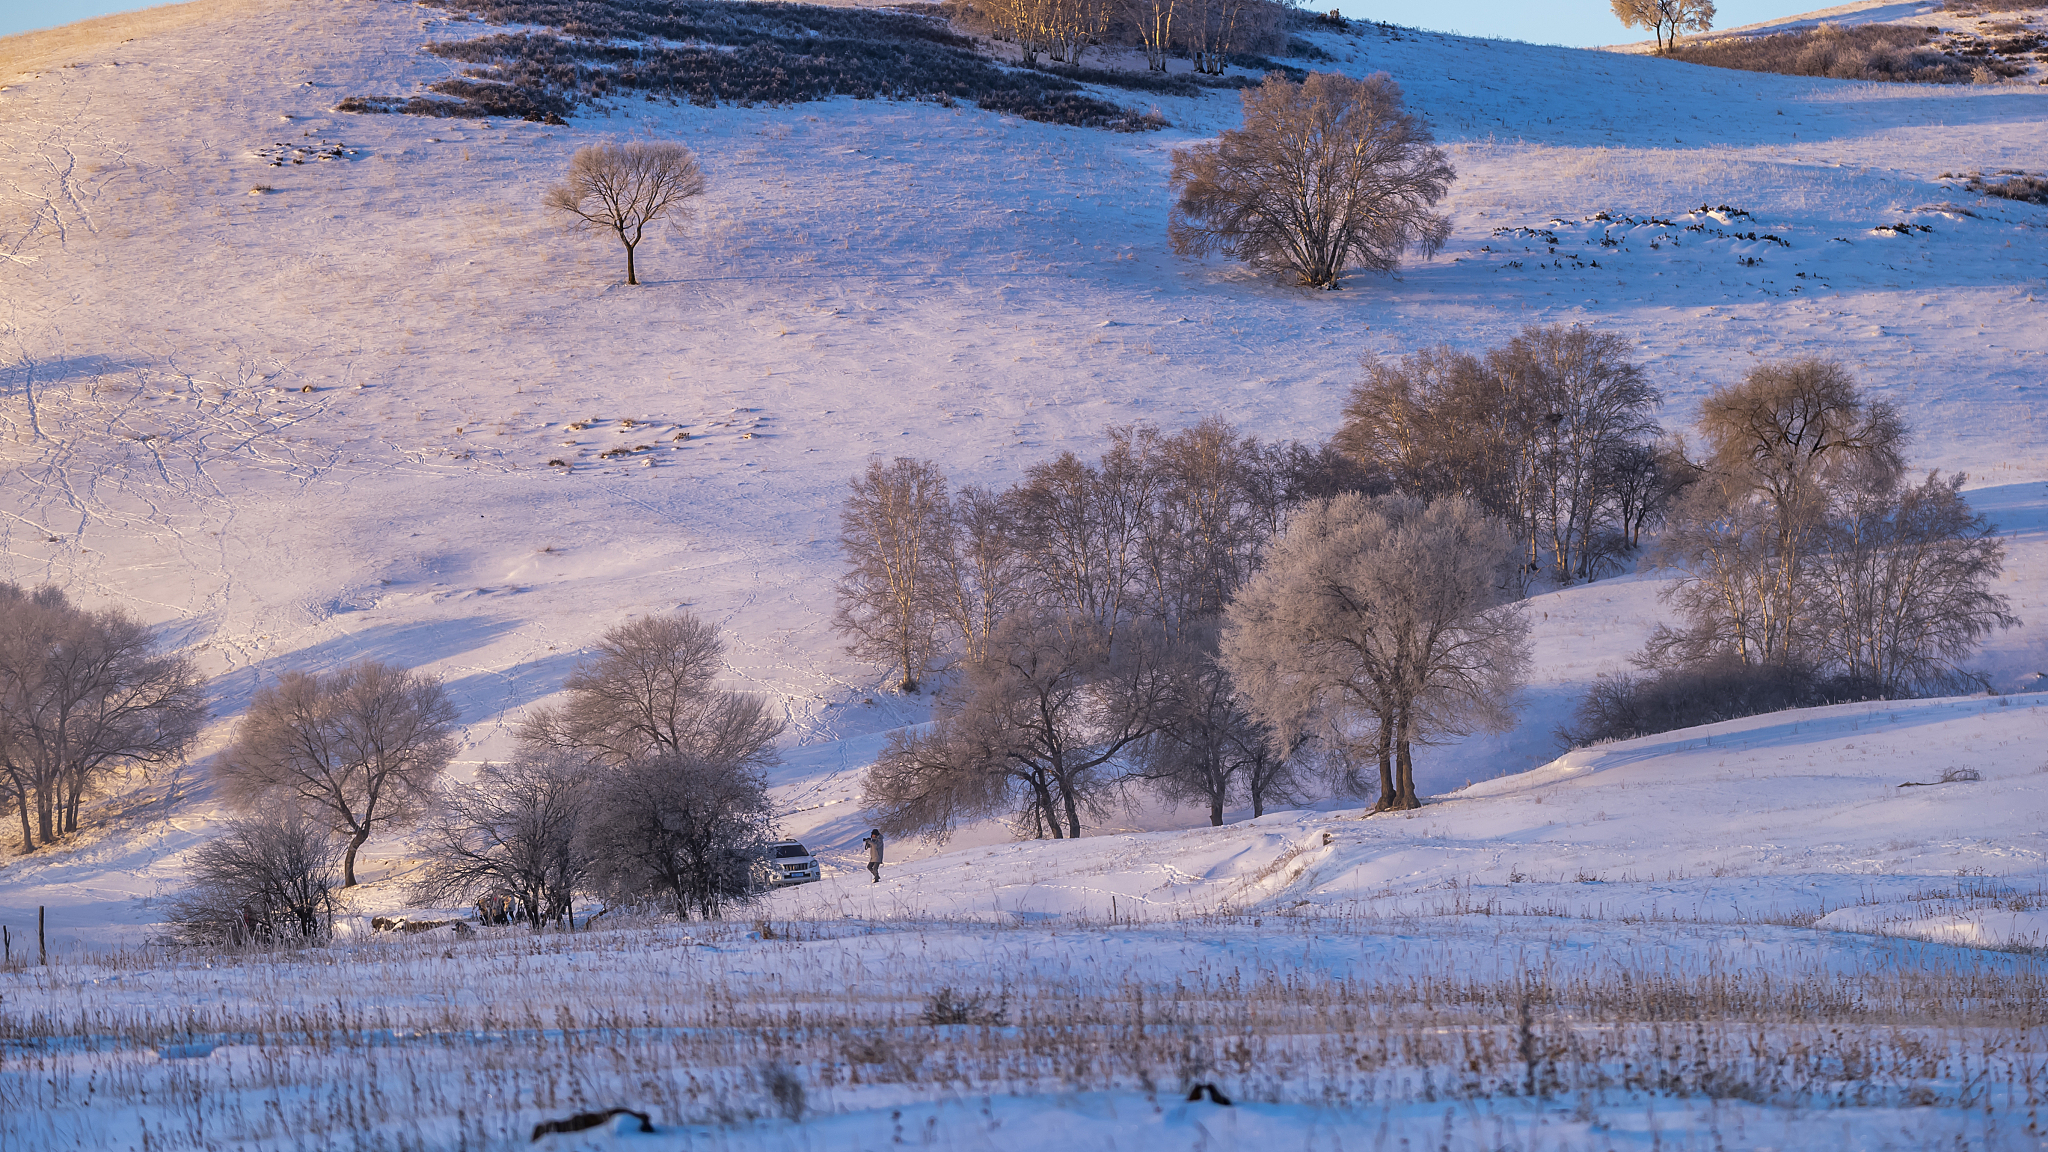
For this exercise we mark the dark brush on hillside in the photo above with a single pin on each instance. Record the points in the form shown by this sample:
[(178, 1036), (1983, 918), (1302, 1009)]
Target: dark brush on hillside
[(743, 53)]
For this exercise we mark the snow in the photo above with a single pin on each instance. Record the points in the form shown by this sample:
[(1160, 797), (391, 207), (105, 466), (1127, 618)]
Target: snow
[(870, 277)]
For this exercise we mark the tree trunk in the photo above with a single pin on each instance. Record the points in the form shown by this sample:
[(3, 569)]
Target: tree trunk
[(1073, 813), (1386, 754), (348, 858), (28, 840), (629, 262), (1216, 810), (46, 828), (1404, 763)]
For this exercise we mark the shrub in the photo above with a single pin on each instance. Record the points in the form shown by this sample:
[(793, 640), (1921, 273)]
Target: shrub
[(264, 880), (1624, 706)]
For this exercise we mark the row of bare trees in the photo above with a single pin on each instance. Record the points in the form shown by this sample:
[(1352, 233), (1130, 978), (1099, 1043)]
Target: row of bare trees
[(646, 786), (1207, 32), (1090, 612)]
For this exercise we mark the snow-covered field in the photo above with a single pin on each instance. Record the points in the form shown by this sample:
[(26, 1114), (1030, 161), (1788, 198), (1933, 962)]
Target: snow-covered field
[(310, 424)]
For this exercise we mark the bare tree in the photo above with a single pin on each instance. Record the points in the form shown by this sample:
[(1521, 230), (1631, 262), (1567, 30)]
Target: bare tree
[(980, 577), (649, 691), (361, 748), (1041, 720), (519, 830), (1585, 401), (895, 529), (267, 879), (1207, 747), (1388, 608), (1324, 174), (1665, 19), (1783, 447), (1532, 432), (1902, 585), (83, 694), (680, 830), (622, 188)]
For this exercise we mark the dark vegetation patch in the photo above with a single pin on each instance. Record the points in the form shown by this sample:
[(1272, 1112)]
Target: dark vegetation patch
[(1622, 707), (1890, 53), (2016, 186), (745, 52)]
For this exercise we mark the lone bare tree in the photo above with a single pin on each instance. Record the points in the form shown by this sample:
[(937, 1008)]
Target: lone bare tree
[(82, 694), (622, 188), (360, 748), (1325, 173), (649, 690), (1665, 19)]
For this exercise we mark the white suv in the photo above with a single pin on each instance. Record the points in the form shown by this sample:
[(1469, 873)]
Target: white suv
[(791, 863)]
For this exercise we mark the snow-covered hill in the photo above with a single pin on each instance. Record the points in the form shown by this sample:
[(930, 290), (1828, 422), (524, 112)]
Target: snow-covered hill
[(308, 424)]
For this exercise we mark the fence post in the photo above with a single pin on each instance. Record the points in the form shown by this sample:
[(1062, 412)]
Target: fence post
[(42, 948)]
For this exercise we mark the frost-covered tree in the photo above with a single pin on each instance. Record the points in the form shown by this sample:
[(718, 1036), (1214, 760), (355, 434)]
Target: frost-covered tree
[(1389, 615), (360, 748), (1784, 448), (82, 695), (622, 188), (1326, 174), (1665, 19), (680, 831)]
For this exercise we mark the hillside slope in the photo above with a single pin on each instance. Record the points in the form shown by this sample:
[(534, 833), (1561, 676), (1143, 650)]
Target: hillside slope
[(311, 423)]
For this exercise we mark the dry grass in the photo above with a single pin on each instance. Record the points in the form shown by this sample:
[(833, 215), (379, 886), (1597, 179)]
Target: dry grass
[(395, 1044), (55, 47), (1889, 53)]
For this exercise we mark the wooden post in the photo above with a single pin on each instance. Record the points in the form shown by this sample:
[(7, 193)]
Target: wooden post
[(42, 948), (6, 944)]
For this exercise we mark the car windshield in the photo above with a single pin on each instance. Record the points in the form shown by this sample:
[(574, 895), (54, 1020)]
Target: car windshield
[(789, 851)]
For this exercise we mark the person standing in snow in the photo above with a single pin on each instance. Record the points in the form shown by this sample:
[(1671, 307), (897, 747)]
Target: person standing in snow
[(874, 846)]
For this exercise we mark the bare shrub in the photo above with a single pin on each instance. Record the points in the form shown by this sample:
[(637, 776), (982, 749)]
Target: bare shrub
[(622, 188), (1326, 173), (1892, 53), (518, 829), (786, 1090), (361, 748), (2025, 189), (82, 695), (264, 880), (946, 1006), (1665, 19), (1627, 705)]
